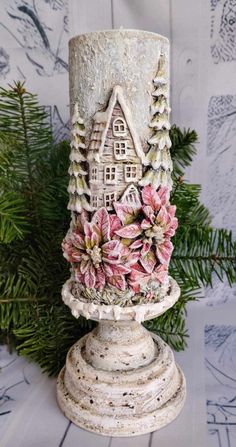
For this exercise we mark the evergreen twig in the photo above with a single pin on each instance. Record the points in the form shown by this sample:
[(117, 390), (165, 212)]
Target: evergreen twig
[(34, 220)]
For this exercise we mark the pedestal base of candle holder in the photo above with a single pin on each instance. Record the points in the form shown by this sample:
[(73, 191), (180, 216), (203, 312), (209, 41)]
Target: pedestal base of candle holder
[(121, 380)]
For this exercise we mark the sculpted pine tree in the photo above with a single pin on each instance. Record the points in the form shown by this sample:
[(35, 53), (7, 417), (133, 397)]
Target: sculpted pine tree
[(158, 157), (78, 188)]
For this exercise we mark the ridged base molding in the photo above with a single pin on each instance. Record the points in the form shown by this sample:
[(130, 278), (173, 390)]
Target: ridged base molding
[(120, 380)]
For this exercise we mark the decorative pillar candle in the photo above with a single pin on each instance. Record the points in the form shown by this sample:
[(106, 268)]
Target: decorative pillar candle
[(120, 380)]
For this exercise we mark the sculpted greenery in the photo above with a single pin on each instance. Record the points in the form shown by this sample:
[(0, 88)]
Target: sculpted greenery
[(34, 220)]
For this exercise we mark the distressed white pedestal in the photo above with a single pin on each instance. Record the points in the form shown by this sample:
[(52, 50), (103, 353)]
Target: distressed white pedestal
[(121, 380)]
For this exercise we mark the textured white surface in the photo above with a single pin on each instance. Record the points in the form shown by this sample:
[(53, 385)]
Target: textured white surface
[(118, 381), (126, 57), (139, 313)]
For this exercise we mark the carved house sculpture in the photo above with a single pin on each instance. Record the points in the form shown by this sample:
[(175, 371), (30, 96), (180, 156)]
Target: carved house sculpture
[(115, 155)]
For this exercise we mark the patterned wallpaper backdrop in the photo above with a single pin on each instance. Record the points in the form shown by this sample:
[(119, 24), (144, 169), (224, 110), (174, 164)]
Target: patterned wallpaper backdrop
[(221, 143), (220, 183), (223, 30), (33, 47)]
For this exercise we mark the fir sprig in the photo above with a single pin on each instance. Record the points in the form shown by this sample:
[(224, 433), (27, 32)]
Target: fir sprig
[(183, 148), (34, 220)]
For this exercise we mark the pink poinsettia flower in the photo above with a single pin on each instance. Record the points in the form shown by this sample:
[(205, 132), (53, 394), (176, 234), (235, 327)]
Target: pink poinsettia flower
[(160, 223), (155, 228), (129, 257), (126, 213), (139, 277), (96, 258)]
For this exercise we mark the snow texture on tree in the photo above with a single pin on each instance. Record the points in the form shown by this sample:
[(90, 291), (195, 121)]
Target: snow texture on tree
[(78, 188), (158, 157)]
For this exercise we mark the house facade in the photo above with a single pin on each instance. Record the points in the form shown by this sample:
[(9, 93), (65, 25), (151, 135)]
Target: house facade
[(115, 155)]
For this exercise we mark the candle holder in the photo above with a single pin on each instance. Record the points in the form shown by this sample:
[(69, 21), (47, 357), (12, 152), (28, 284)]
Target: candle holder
[(120, 380)]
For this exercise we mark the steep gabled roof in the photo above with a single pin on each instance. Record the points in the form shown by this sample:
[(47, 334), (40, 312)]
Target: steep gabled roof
[(131, 189), (102, 122)]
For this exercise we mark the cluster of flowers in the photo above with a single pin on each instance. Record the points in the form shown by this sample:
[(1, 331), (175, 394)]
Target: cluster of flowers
[(125, 249)]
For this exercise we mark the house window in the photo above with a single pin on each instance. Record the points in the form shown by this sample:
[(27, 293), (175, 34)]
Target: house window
[(131, 198), (119, 127), (131, 173), (110, 174), (120, 148), (109, 198), (95, 201), (94, 173)]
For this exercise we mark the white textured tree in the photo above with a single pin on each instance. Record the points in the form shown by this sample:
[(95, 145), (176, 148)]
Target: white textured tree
[(158, 157), (78, 188)]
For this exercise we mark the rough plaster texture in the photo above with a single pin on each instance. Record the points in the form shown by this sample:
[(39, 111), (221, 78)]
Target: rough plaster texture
[(99, 61), (138, 313), (121, 381)]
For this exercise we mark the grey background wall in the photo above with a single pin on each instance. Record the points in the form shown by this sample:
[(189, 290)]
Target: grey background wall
[(33, 46)]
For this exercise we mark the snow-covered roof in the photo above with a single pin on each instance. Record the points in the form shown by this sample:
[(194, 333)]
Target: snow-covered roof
[(102, 122)]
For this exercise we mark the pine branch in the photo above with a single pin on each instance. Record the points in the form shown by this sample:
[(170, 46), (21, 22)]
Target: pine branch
[(13, 218), (25, 124), (34, 220), (189, 210), (183, 149), (201, 252), (20, 90), (41, 337)]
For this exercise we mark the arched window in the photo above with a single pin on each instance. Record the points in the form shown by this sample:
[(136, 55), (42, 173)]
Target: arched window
[(119, 127)]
